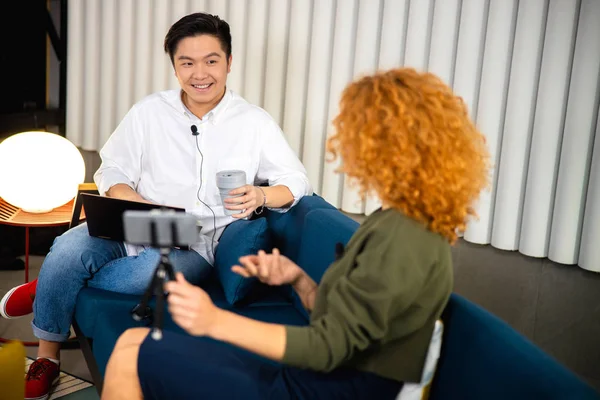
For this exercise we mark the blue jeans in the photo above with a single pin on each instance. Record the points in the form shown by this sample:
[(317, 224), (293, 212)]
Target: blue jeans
[(77, 260)]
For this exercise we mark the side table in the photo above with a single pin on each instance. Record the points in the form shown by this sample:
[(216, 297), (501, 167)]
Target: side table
[(11, 215)]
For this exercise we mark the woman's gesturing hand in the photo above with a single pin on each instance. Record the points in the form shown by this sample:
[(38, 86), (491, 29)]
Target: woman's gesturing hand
[(271, 269)]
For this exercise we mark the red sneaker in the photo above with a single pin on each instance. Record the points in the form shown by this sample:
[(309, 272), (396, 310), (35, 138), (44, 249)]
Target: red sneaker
[(42, 375), (18, 301)]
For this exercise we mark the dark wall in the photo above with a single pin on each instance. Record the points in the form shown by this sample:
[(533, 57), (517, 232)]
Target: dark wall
[(22, 55), (23, 89)]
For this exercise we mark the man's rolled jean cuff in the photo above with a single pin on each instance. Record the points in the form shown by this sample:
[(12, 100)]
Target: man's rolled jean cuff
[(49, 336)]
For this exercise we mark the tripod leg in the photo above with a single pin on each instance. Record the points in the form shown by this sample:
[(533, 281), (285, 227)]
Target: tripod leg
[(139, 312), (170, 271), (160, 304)]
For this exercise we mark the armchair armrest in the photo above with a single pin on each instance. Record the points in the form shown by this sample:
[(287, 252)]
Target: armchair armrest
[(287, 227)]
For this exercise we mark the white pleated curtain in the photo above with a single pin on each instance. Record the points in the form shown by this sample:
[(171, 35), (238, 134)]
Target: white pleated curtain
[(528, 71)]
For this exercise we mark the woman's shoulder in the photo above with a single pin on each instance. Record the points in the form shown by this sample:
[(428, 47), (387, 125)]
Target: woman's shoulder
[(395, 224), (395, 233)]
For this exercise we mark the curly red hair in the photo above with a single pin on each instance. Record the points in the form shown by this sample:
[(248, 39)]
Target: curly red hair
[(405, 136)]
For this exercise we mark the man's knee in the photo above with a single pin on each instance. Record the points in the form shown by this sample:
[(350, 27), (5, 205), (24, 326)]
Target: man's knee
[(73, 248), (74, 237)]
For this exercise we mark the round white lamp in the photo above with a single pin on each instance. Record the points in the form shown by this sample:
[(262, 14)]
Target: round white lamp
[(39, 171)]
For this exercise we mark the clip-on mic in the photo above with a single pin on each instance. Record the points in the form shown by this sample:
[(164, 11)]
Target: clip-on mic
[(194, 129)]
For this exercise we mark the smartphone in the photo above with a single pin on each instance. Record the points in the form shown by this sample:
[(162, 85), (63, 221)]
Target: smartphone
[(160, 228)]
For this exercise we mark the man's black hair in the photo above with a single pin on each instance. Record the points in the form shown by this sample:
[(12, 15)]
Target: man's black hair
[(198, 24)]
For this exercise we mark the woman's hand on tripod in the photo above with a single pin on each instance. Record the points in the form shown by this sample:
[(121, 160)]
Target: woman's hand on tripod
[(191, 307)]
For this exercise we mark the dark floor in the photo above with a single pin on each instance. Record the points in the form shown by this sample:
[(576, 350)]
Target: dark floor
[(72, 361)]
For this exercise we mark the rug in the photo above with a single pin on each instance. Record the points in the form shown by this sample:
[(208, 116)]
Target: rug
[(67, 383)]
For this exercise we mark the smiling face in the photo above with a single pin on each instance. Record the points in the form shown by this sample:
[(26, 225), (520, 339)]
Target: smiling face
[(201, 67)]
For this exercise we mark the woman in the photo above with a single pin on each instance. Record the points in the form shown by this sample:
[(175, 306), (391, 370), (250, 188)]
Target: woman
[(404, 136)]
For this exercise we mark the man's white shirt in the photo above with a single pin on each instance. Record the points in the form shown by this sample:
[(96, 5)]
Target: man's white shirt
[(154, 152)]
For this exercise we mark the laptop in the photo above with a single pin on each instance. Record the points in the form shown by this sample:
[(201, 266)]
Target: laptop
[(104, 215)]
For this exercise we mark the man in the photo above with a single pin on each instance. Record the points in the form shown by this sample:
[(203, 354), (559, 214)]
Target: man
[(166, 150)]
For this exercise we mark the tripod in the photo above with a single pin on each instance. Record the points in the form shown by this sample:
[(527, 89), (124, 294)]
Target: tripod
[(162, 273)]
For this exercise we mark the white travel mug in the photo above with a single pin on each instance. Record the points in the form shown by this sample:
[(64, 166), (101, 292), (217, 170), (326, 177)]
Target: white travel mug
[(226, 182)]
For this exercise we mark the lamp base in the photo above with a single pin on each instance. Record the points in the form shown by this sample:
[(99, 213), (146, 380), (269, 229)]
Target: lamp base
[(37, 211)]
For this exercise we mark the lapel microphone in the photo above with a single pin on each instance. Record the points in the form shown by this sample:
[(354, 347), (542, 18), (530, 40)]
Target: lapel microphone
[(194, 129)]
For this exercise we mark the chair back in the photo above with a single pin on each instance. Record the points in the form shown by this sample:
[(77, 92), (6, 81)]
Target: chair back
[(420, 391), (483, 357)]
